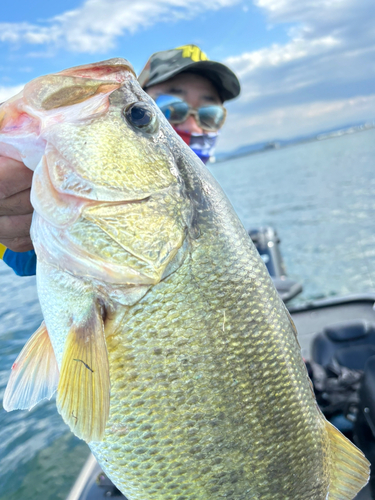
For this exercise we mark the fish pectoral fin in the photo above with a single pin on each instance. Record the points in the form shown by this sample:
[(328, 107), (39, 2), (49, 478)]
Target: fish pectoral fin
[(35, 373), (83, 392), (349, 469)]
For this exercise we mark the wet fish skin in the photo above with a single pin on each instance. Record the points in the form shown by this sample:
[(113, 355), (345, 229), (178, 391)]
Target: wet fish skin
[(209, 394)]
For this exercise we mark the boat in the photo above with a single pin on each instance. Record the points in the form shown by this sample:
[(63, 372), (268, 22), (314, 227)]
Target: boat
[(337, 338)]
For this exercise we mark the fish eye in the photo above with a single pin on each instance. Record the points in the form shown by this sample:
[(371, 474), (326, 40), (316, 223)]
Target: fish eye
[(141, 116)]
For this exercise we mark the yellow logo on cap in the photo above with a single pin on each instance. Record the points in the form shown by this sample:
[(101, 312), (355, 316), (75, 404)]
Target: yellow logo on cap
[(193, 52)]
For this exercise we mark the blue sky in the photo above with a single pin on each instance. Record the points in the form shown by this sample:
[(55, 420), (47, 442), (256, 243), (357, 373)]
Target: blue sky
[(304, 66)]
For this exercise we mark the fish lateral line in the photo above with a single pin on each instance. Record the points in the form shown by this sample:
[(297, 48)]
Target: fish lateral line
[(87, 366)]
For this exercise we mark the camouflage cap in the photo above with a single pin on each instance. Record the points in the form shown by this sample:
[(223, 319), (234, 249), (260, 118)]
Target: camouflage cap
[(164, 65)]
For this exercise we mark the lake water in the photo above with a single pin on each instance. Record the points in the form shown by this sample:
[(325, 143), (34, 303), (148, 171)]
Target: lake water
[(320, 196)]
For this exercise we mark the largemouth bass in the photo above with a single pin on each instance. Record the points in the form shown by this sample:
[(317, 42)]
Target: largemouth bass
[(169, 347)]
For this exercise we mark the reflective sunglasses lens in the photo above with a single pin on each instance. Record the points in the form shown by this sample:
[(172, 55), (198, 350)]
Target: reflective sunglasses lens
[(211, 117), (173, 108), (179, 111)]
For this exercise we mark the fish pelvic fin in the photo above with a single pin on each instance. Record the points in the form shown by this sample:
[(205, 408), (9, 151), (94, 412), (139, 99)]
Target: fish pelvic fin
[(83, 393), (349, 469), (34, 375)]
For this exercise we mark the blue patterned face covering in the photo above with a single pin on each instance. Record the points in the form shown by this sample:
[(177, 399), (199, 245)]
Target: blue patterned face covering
[(203, 145)]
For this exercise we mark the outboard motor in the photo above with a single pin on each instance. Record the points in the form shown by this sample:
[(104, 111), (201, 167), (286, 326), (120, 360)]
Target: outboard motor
[(266, 241)]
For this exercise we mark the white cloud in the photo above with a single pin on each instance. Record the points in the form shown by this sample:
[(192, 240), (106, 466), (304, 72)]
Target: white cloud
[(95, 26), (285, 122), (277, 55), (7, 92), (322, 78)]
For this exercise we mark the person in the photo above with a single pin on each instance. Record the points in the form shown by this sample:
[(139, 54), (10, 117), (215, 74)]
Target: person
[(189, 89)]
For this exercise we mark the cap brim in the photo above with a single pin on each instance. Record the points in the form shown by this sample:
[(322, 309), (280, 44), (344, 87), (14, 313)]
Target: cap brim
[(221, 76)]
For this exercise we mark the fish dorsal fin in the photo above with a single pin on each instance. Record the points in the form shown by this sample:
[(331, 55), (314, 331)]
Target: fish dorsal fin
[(35, 373), (349, 469), (84, 387)]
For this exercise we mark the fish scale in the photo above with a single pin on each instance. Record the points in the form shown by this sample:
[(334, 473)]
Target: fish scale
[(171, 352), (206, 382)]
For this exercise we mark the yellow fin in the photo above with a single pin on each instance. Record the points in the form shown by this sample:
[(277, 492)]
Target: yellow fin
[(84, 387), (349, 471), (34, 375)]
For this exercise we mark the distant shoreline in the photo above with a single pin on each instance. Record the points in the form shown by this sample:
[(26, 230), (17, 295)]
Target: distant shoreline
[(274, 145)]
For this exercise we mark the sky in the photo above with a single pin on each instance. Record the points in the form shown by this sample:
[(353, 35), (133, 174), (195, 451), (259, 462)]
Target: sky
[(305, 66)]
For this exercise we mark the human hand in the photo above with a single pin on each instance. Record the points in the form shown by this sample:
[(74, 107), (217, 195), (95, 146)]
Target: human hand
[(15, 207)]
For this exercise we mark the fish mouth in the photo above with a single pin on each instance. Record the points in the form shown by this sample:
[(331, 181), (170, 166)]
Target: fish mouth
[(61, 197), (124, 243), (118, 237), (65, 178), (113, 204), (56, 237)]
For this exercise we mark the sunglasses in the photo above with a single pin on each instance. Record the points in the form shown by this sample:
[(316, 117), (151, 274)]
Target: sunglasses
[(176, 111)]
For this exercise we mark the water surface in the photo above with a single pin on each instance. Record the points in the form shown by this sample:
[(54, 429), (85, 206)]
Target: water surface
[(320, 197)]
